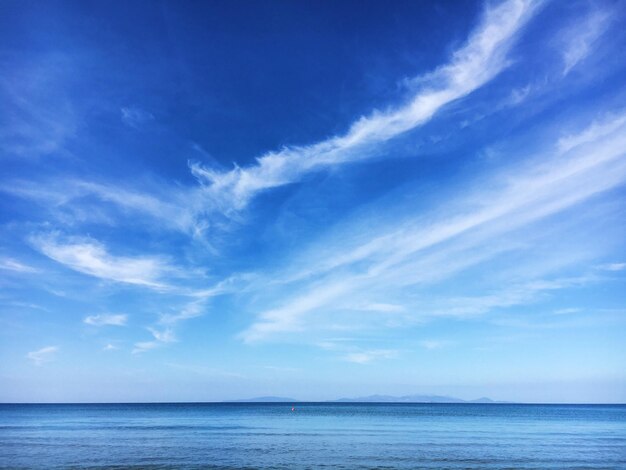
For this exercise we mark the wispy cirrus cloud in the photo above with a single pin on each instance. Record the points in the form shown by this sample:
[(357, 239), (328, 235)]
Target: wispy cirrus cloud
[(161, 337), (164, 333), (9, 264), (90, 257), (143, 346), (164, 336), (578, 40), (482, 58), (432, 344), (613, 267), (520, 293), (72, 200), (367, 356), (104, 319), (43, 355), (135, 117), (598, 128), (191, 310), (567, 311), (38, 118), (429, 249), (193, 210), (381, 307), (287, 318)]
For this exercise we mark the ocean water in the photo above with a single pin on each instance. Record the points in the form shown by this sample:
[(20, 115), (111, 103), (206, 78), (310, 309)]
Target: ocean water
[(338, 435)]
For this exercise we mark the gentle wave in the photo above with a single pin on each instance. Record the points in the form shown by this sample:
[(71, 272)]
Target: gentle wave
[(240, 436)]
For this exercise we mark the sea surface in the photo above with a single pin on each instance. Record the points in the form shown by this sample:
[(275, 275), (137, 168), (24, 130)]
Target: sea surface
[(314, 435)]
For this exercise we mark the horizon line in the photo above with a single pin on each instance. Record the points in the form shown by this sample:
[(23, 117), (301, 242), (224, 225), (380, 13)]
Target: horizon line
[(338, 402)]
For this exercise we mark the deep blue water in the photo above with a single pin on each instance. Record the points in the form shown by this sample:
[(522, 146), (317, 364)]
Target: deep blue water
[(339, 435)]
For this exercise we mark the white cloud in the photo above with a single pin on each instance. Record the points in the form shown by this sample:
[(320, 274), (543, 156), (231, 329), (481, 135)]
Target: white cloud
[(38, 118), (598, 129), (167, 321), (90, 257), (613, 267), (110, 347), (471, 66), (579, 39), (280, 369), (42, 355), (161, 337), (118, 319), (364, 357), (71, 201), (194, 210), (196, 308), (287, 318), (191, 310), (144, 346), (432, 344), (135, 117), (170, 208), (520, 293), (567, 311), (428, 249), (381, 307), (164, 336), (518, 95), (9, 264)]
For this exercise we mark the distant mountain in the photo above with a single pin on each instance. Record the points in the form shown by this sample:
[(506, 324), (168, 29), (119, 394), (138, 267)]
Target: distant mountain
[(263, 400), (483, 400), (411, 399), (372, 399)]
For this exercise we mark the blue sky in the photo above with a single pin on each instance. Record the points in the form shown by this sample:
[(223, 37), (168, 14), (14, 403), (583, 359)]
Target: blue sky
[(215, 200)]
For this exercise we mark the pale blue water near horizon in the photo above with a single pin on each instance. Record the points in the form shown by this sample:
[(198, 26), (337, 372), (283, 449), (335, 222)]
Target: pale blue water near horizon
[(315, 435)]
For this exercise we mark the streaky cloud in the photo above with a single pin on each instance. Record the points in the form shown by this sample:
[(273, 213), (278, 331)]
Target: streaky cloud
[(104, 319), (90, 257), (432, 344), (9, 264), (415, 252), (599, 128), (367, 356), (191, 310), (580, 38), (171, 208), (614, 267), (161, 337), (43, 355), (520, 293), (482, 58), (37, 118), (135, 117), (194, 210)]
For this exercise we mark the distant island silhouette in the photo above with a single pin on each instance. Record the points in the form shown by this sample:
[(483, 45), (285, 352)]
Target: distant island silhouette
[(263, 400), (371, 399)]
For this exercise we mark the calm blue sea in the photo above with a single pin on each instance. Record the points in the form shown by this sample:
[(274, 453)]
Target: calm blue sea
[(338, 435)]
